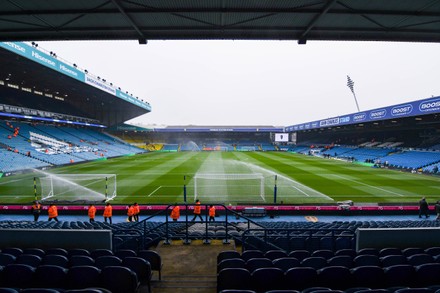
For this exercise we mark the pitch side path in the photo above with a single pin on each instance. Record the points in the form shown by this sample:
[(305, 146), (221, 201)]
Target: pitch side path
[(159, 178)]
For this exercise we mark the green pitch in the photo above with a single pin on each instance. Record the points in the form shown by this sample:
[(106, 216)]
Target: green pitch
[(158, 178)]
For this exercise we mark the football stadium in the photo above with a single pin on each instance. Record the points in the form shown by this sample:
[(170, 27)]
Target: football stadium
[(90, 203)]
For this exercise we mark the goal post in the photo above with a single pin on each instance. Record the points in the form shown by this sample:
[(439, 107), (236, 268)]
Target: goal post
[(78, 187), (216, 186)]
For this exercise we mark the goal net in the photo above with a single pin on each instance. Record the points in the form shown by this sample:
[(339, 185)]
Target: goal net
[(78, 187), (248, 187)]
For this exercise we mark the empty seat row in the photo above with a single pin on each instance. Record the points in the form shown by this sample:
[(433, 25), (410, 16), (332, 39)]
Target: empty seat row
[(116, 279), (431, 289), (334, 277), (76, 257), (327, 254), (318, 262)]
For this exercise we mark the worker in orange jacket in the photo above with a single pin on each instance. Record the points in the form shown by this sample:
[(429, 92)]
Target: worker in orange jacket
[(197, 211), (211, 213), (36, 210), (130, 213), (137, 211), (91, 212), (108, 213), (175, 213), (53, 213)]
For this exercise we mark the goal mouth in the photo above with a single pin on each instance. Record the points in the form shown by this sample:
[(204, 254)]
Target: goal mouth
[(227, 186), (78, 188)]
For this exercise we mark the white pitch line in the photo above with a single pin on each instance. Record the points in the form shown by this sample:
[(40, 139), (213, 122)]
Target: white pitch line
[(306, 194), (155, 190), (389, 191)]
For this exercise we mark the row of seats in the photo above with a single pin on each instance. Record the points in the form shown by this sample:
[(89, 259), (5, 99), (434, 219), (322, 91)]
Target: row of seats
[(50, 290), (99, 258), (317, 262), (116, 279), (334, 277), (327, 254), (430, 289)]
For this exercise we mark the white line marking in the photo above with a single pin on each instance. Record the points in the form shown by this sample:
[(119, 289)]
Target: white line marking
[(389, 191), (306, 194), (155, 190)]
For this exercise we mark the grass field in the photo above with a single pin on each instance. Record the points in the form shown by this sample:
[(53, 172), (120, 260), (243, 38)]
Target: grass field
[(159, 178)]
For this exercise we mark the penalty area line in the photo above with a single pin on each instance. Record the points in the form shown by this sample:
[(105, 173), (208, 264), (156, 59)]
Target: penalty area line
[(155, 190), (306, 194)]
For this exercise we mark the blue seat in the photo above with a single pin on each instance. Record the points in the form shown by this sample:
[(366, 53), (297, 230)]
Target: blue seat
[(8, 290), (286, 263), (368, 276), (107, 260), (346, 251), (368, 251), (367, 260), (335, 277), (325, 253), (154, 259), (341, 260), (28, 259), (400, 275), (300, 278), (39, 290), (236, 291), (419, 259), (274, 254), (412, 250), (414, 290), (15, 251), (6, 259), (428, 274), (56, 260), (81, 260), (57, 251), (392, 260), (248, 254), (433, 251), (257, 263), (18, 276), (35, 251), (227, 254), (79, 277), (50, 276), (233, 278), (121, 253), (231, 263), (390, 251), (265, 279), (119, 279), (100, 252), (141, 267), (315, 262), (78, 251), (299, 254)]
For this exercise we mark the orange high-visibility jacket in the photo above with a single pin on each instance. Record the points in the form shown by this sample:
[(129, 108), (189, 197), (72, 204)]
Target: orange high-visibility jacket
[(53, 212), (212, 212), (136, 209), (130, 211), (36, 207), (92, 212), (175, 213), (108, 211), (197, 208)]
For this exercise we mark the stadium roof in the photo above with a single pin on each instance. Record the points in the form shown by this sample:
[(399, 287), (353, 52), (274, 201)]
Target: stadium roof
[(143, 20)]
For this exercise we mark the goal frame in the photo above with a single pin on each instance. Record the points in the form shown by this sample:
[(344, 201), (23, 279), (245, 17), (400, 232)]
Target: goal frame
[(65, 177)]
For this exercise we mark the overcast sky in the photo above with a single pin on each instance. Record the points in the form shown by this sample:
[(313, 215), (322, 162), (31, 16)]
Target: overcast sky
[(276, 83)]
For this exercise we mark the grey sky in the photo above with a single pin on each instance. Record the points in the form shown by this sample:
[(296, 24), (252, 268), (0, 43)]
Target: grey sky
[(276, 83)]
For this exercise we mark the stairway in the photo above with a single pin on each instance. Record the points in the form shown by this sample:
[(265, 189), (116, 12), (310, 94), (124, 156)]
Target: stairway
[(189, 268)]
